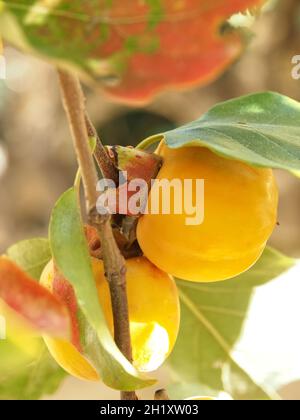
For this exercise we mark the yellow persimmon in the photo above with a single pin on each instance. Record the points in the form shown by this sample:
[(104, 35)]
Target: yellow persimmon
[(153, 311), (240, 212)]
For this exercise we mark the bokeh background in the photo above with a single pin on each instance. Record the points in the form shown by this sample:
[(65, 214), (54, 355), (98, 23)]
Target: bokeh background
[(37, 162)]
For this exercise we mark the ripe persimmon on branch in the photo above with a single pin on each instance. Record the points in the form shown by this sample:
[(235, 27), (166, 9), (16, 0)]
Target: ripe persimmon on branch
[(114, 263), (140, 275)]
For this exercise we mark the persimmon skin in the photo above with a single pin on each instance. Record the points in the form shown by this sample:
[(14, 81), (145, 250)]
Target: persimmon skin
[(240, 205), (154, 314)]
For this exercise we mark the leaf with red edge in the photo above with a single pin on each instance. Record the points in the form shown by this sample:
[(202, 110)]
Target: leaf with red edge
[(32, 301), (134, 49), (65, 292)]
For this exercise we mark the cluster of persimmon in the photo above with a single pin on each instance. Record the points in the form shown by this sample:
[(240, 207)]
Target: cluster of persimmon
[(240, 215)]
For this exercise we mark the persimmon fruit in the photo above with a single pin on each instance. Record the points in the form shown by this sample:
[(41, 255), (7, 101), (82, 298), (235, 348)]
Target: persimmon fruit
[(240, 212), (153, 311)]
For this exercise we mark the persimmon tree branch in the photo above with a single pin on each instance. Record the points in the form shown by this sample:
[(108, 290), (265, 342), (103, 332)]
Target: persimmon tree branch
[(74, 104), (108, 168), (114, 263)]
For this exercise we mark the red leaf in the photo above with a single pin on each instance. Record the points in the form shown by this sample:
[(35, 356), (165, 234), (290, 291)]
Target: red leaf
[(134, 49), (191, 50), (32, 301)]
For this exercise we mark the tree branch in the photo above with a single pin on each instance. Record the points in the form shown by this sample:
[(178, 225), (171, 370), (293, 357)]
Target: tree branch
[(108, 168), (114, 263), (74, 104)]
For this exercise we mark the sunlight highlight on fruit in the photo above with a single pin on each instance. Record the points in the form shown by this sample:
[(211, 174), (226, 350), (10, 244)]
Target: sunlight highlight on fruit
[(150, 345)]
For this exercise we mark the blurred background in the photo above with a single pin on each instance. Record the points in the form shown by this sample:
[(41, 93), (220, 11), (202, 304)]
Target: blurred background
[(37, 162)]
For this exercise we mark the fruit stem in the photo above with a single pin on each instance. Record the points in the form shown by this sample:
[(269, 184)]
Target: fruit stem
[(161, 395), (114, 263)]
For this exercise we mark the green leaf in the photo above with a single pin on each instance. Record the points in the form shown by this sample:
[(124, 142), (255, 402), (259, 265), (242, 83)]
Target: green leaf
[(269, 345), (27, 376), (261, 129), (70, 252), (31, 255), (212, 319)]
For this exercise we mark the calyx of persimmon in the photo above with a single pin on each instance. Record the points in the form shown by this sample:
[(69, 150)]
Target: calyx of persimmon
[(136, 163), (133, 165)]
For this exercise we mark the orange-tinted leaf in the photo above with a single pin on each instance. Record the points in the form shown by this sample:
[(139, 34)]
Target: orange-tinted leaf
[(65, 292), (32, 301), (132, 48), (191, 50)]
